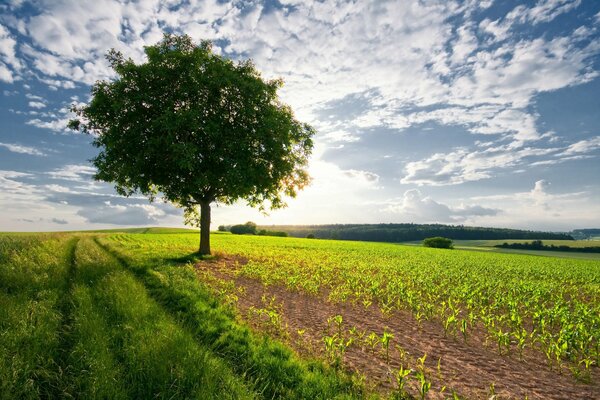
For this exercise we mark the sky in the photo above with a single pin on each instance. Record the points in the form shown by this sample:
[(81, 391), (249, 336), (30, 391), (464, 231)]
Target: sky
[(474, 112)]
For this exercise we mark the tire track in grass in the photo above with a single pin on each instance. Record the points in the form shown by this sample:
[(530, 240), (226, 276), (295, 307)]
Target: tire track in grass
[(95, 373), (161, 359), (267, 366), (59, 387)]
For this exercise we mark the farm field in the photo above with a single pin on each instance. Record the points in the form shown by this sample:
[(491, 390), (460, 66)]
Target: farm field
[(77, 322), (135, 315), (488, 246), (514, 325)]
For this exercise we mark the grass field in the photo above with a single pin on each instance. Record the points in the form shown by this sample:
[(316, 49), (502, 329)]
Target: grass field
[(78, 322), (124, 315)]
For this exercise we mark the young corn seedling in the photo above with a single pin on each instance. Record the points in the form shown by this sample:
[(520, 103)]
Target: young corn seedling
[(424, 384), (492, 392), (372, 340), (463, 329), (439, 368), (385, 343), (449, 324), (521, 339), (402, 377), (335, 347), (338, 321), (401, 352)]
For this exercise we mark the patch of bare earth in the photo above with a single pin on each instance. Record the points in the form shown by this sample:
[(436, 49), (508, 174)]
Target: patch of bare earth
[(469, 367)]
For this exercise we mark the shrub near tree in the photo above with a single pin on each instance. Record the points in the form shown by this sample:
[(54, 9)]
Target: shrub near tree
[(249, 228), (195, 128), (438, 242)]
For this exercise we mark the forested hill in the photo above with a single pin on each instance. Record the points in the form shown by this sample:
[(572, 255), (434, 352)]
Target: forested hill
[(409, 232)]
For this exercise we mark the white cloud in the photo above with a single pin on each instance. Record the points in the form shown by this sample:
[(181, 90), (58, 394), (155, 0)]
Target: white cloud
[(362, 175), (15, 194), (7, 49), (36, 104), (34, 97), (116, 214), (543, 209), (17, 148), (6, 74), (583, 146), (73, 172), (464, 45), (499, 30), (415, 207), (58, 121), (464, 165), (326, 51), (543, 11)]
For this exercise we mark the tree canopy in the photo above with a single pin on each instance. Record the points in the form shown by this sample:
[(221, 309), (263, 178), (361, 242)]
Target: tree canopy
[(195, 128)]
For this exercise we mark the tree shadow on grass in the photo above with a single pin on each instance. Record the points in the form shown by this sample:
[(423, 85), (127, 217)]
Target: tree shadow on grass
[(192, 258)]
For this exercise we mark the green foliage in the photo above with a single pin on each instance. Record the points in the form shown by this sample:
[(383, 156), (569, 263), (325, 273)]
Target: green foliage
[(222, 228), (438, 242), (195, 127), (249, 228)]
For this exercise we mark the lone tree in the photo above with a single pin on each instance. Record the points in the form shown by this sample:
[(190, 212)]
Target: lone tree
[(195, 128)]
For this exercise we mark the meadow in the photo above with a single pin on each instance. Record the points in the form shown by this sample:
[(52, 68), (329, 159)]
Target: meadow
[(138, 315), (78, 322)]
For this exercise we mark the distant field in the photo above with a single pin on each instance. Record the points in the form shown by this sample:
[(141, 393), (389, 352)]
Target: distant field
[(488, 246), (492, 243)]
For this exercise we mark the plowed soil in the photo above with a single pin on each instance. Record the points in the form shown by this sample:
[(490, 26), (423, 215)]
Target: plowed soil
[(471, 368)]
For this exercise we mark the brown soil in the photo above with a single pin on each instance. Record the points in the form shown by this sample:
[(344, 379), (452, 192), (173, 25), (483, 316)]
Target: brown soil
[(469, 368)]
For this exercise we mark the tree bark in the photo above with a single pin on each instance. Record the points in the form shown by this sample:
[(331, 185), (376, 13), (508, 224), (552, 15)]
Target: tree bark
[(204, 228)]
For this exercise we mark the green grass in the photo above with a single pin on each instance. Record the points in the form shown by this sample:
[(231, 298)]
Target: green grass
[(76, 321)]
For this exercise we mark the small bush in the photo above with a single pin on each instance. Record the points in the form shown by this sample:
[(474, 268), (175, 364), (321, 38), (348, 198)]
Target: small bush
[(310, 236), (249, 228), (222, 228), (438, 242)]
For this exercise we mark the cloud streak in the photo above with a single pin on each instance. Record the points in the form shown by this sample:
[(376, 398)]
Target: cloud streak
[(21, 149)]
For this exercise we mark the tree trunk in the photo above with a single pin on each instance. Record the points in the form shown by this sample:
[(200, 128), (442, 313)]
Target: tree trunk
[(204, 228)]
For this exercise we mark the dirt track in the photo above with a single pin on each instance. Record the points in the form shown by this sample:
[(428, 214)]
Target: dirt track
[(467, 367)]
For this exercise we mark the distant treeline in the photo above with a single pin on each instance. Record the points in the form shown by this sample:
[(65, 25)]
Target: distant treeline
[(411, 232), (539, 245), (586, 233)]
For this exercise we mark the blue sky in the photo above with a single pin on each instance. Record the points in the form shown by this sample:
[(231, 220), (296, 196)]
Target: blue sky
[(476, 112)]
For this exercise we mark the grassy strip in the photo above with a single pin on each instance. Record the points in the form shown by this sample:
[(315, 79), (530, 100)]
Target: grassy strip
[(93, 371), (33, 271), (127, 347), (270, 367)]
